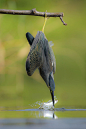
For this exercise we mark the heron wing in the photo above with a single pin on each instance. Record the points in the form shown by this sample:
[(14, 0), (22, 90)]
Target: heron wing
[(53, 59), (40, 55), (50, 58), (34, 58)]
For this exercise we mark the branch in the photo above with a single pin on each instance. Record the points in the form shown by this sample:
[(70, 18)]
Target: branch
[(63, 21), (31, 12)]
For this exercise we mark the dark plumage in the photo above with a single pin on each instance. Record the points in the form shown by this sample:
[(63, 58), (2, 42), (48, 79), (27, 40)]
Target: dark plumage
[(42, 57), (29, 37)]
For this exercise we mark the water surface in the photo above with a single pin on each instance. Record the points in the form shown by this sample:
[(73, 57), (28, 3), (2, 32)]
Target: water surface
[(36, 118)]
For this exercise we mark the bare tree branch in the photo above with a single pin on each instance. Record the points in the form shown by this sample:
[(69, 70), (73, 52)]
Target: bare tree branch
[(32, 12), (63, 21)]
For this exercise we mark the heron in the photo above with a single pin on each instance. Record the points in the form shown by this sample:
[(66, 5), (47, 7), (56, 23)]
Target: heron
[(41, 57)]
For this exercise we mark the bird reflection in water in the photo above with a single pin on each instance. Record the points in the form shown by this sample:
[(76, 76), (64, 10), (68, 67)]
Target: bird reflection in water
[(46, 110), (48, 114), (44, 114)]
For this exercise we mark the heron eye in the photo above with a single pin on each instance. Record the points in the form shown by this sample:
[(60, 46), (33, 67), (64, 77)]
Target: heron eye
[(51, 91)]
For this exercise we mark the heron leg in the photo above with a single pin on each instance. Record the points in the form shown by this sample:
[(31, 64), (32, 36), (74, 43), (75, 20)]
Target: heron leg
[(44, 22)]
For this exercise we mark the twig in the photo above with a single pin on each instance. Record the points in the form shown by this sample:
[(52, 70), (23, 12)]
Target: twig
[(33, 12), (63, 21)]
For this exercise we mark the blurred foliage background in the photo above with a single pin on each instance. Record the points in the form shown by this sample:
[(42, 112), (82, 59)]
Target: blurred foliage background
[(19, 90)]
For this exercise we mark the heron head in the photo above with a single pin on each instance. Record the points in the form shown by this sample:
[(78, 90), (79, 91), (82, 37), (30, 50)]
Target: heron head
[(52, 86), (30, 38)]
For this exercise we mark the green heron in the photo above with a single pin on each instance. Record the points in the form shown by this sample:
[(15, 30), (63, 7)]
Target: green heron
[(41, 56)]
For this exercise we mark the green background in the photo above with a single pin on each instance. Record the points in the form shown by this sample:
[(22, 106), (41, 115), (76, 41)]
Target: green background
[(17, 90)]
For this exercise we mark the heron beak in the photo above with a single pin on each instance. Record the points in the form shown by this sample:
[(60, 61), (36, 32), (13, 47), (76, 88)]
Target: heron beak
[(52, 86), (52, 95)]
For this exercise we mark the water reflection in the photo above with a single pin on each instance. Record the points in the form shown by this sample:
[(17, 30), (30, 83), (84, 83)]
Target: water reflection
[(49, 114), (41, 113), (45, 114)]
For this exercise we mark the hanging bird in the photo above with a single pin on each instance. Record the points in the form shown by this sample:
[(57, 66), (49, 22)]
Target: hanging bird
[(41, 56)]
